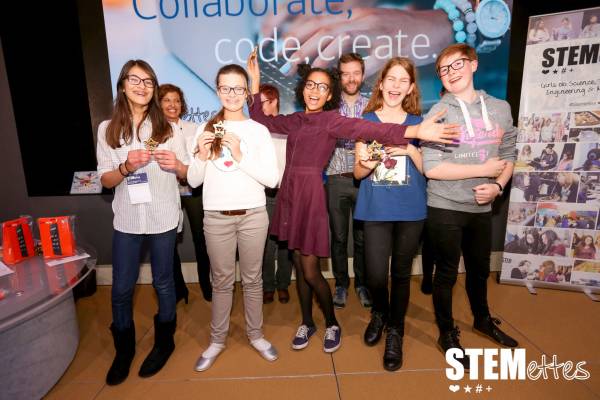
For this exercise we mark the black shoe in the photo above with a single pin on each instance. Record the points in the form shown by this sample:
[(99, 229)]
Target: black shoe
[(487, 326), (125, 346), (449, 340), (162, 350), (181, 294), (426, 286), (392, 357), (374, 329)]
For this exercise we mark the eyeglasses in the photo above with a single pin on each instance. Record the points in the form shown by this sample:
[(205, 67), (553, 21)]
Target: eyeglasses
[(456, 65), (227, 89), (322, 87), (135, 80)]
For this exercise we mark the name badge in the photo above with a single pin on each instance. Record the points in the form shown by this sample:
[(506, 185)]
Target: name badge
[(139, 189)]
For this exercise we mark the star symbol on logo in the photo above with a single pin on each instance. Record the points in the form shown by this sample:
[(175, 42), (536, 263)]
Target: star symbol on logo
[(555, 71), (468, 389), (571, 70)]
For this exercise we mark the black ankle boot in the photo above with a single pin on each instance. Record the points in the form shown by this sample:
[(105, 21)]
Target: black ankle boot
[(374, 329), (426, 285), (488, 326), (449, 340), (162, 350), (124, 341), (392, 357)]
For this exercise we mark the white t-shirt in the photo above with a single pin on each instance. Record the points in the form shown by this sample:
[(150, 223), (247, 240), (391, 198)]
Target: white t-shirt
[(229, 185)]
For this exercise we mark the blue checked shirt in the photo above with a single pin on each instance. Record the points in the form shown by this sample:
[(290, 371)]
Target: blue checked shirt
[(342, 160)]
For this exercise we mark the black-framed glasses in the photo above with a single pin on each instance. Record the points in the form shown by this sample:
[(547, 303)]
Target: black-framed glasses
[(238, 90), (443, 70), (321, 87), (135, 80)]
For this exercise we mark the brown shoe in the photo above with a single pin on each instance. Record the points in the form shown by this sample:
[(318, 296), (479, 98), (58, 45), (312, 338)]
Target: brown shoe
[(268, 297), (284, 295)]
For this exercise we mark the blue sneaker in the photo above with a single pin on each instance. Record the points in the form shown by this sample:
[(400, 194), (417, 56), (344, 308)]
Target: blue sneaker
[(333, 339), (340, 296), (302, 336)]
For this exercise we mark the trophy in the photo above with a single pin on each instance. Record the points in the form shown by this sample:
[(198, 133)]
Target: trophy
[(151, 144), (376, 151), (216, 147)]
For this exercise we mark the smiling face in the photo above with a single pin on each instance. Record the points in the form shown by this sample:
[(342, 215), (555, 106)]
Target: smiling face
[(231, 101), (138, 95), (460, 80), (351, 77), (315, 98), (395, 86), (171, 106)]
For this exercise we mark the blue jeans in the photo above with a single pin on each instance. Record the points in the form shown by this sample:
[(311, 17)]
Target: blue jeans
[(126, 249)]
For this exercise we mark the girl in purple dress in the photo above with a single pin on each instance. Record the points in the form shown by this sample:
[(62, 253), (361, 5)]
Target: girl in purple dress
[(300, 216)]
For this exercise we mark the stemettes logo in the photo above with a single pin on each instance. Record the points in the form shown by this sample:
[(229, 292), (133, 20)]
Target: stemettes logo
[(507, 364)]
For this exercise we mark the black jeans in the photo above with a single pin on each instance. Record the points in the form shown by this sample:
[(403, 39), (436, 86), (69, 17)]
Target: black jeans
[(399, 239), (275, 249), (450, 232), (341, 199)]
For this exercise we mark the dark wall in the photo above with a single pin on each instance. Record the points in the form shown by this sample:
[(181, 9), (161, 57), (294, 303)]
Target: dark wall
[(94, 211)]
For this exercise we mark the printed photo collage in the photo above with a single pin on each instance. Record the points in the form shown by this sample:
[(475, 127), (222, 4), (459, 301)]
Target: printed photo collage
[(553, 229)]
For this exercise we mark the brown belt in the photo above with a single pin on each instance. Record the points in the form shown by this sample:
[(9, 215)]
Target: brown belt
[(233, 212)]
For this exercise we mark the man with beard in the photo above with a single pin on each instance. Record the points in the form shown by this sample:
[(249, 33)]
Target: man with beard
[(342, 189)]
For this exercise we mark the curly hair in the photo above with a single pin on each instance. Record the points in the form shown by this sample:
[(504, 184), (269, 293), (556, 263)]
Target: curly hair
[(335, 87), (167, 88)]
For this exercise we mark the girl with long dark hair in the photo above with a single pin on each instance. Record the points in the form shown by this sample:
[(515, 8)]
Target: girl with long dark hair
[(141, 156)]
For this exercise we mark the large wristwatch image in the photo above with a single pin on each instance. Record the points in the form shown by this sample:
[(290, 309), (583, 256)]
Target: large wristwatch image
[(493, 20)]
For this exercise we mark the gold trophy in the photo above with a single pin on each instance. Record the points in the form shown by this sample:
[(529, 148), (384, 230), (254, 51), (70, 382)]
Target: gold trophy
[(216, 147), (151, 145), (375, 151)]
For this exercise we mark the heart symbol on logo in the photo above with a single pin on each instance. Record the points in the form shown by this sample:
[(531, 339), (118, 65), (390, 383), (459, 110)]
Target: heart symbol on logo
[(545, 71), (228, 163), (454, 388)]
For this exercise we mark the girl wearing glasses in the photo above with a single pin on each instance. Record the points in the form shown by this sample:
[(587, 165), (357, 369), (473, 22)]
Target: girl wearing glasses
[(234, 159), (141, 156), (301, 213)]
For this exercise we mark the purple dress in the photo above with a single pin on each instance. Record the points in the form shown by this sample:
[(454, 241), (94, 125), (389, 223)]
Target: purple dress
[(300, 216)]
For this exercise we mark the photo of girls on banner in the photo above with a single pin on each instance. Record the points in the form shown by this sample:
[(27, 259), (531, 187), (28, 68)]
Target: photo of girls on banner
[(553, 229)]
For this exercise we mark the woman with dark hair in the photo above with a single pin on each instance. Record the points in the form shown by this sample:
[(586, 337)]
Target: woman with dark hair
[(585, 248), (234, 158), (301, 213), (141, 156), (174, 106), (528, 244), (392, 203), (552, 245)]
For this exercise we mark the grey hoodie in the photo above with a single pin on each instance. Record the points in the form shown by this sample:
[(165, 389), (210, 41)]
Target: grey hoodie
[(491, 134)]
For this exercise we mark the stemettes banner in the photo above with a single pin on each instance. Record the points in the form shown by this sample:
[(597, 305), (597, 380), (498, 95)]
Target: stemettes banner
[(553, 232), (187, 41)]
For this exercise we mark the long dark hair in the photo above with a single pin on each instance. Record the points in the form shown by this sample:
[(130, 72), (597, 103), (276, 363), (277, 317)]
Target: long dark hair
[(216, 147), (120, 121), (335, 87)]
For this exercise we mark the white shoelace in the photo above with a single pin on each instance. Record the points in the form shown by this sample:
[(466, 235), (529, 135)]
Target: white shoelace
[(302, 331), (330, 332)]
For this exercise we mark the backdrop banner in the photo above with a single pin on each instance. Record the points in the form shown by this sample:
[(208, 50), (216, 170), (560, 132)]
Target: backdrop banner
[(553, 232)]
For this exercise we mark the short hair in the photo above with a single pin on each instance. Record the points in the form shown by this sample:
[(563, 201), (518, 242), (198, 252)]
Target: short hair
[(270, 93), (349, 57), (167, 88), (460, 48)]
